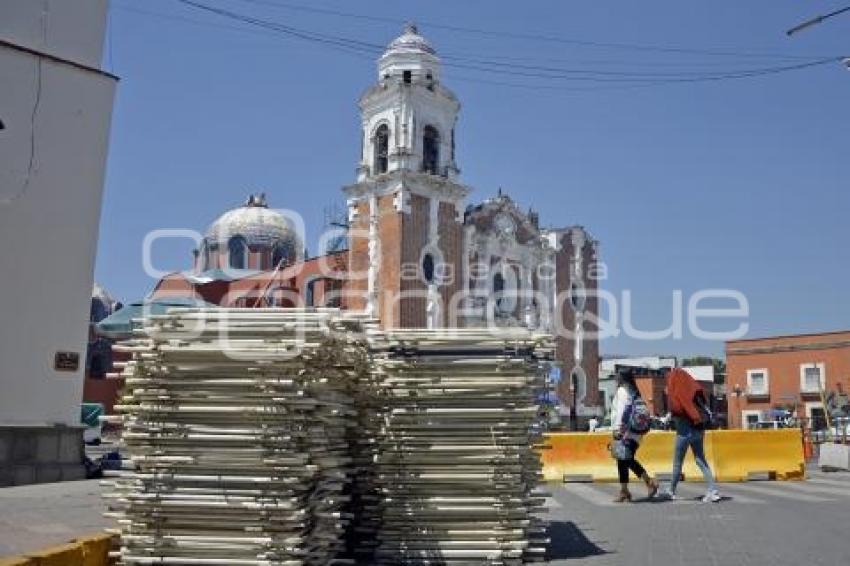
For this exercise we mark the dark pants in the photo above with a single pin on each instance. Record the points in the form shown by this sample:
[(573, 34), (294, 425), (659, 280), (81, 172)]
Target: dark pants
[(623, 466)]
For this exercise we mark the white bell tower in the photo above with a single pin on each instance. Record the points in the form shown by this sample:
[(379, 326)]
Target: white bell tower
[(408, 117), (406, 208)]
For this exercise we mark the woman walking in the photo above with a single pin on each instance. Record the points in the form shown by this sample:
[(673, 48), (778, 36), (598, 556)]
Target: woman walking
[(629, 408), (691, 416)]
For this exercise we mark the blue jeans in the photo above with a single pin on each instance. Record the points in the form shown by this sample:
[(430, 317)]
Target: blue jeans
[(693, 438)]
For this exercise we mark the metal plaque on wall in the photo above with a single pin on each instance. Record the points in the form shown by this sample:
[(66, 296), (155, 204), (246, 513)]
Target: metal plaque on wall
[(66, 361)]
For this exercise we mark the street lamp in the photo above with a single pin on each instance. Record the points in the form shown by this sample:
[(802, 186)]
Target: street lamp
[(815, 21)]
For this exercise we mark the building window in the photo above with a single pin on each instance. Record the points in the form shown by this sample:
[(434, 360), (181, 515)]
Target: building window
[(407, 76), (333, 293), (282, 254), (750, 419), (757, 382), (504, 290), (382, 149), (430, 150), (817, 416), (205, 257), (498, 283), (310, 293), (812, 378), (237, 252), (578, 297), (428, 268)]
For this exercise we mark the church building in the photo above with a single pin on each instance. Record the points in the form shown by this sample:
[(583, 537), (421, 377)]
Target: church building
[(417, 255)]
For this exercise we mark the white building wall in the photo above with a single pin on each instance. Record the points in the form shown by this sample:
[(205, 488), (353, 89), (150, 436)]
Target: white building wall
[(53, 146), (69, 29)]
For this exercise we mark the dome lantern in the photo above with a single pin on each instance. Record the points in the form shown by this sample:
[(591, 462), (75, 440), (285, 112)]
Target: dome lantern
[(409, 56)]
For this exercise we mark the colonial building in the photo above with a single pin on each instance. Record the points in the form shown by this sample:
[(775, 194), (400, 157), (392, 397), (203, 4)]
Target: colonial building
[(416, 254), (797, 374)]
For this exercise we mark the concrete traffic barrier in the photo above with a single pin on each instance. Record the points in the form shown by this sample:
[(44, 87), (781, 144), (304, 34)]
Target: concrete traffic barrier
[(63, 555), (578, 457), (740, 455), (585, 457), (96, 549), (86, 551), (732, 455)]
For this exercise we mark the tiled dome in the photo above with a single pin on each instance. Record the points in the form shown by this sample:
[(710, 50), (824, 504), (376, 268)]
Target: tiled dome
[(254, 221)]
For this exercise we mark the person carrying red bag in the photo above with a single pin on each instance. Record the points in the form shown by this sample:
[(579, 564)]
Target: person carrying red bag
[(691, 416)]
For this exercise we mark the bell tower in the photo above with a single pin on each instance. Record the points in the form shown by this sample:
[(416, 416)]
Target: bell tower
[(406, 209)]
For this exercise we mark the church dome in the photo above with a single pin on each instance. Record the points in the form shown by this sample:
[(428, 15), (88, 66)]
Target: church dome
[(410, 42), (254, 221)]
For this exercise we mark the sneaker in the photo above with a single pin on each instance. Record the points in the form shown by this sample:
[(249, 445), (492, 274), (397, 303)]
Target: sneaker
[(669, 495), (712, 496)]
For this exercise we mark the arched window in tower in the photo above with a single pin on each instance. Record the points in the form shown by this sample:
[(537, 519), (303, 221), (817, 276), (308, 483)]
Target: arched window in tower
[(237, 252), (382, 149), (430, 150)]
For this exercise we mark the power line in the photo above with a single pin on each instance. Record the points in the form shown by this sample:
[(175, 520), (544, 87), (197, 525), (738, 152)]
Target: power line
[(528, 36), (497, 59), (495, 67), (642, 83), (332, 41)]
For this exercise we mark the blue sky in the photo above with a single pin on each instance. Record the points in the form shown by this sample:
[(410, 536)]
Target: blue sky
[(738, 184)]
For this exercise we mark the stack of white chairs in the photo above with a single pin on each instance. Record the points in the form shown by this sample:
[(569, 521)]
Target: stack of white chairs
[(238, 427), (456, 425)]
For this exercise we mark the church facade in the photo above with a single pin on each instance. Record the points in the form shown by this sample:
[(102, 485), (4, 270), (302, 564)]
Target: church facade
[(417, 255)]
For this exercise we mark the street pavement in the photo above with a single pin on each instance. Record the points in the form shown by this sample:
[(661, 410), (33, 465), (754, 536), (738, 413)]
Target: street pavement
[(41, 515), (757, 523)]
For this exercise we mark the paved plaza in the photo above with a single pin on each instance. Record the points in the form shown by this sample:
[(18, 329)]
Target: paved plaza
[(758, 523), (40, 515)]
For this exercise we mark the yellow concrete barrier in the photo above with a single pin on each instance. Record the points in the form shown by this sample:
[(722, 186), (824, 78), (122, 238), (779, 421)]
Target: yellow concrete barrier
[(87, 551), (739, 454), (63, 555), (732, 455)]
